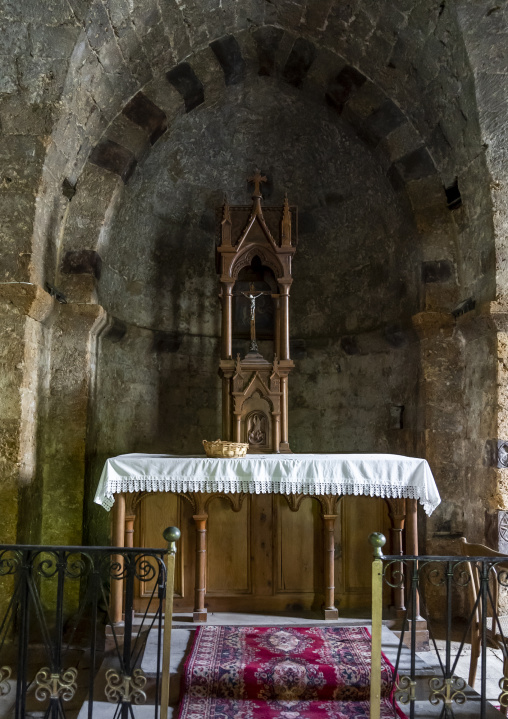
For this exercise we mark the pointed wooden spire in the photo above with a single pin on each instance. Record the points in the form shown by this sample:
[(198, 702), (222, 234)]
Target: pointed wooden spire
[(226, 216), (226, 223), (286, 223)]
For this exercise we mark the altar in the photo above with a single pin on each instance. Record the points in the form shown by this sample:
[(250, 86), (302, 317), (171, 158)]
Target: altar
[(266, 531), (203, 483)]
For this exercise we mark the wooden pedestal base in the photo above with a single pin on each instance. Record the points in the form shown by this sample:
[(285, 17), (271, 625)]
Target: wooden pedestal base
[(331, 613), (201, 616)]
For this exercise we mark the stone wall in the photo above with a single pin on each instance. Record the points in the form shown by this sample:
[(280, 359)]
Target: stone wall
[(353, 296), (122, 125)]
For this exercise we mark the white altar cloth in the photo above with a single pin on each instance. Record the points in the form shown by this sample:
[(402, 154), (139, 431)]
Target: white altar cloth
[(373, 475)]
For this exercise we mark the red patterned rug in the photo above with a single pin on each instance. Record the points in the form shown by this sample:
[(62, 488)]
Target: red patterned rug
[(286, 672)]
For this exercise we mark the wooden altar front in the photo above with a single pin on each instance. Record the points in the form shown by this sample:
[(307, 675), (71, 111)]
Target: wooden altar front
[(265, 552)]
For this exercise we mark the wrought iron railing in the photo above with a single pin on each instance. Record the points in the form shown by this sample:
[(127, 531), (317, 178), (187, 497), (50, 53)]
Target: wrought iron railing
[(55, 608), (459, 601)]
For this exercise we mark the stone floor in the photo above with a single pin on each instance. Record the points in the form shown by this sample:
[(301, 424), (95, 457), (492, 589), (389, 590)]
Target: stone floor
[(183, 630)]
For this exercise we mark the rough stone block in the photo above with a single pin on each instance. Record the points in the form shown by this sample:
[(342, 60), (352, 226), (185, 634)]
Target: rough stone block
[(366, 100), (416, 164), (133, 137), (299, 61), (437, 271), (167, 342), (116, 330), (341, 87), (134, 55), (267, 43), (210, 73), (54, 42), (395, 178), (20, 162), (77, 262), (401, 141), (165, 96), (8, 75), (113, 157), (143, 112), (228, 53), (382, 122), (395, 336), (184, 79), (350, 345), (88, 208)]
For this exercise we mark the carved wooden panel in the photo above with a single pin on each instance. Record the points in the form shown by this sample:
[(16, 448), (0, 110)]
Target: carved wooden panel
[(229, 565), (359, 517), (266, 557), (156, 512), (299, 565)]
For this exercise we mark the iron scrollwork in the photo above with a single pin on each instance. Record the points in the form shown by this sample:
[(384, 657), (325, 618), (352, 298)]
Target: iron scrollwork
[(120, 687), (54, 686), (5, 675), (503, 697), (10, 562), (447, 690), (393, 573), (405, 690)]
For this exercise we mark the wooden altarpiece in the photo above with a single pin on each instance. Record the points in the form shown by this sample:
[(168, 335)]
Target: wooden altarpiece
[(256, 243)]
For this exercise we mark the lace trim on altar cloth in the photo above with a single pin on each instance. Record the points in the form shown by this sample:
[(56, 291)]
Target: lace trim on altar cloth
[(158, 484)]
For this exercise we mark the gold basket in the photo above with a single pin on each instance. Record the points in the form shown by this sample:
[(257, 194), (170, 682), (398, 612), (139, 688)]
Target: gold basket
[(219, 448)]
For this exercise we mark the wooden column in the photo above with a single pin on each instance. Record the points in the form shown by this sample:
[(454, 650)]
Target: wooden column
[(412, 537), (276, 431), (284, 350), (226, 408), (284, 411), (200, 612), (331, 611), (397, 514), (227, 321), (238, 428), (129, 530), (118, 541), (277, 326)]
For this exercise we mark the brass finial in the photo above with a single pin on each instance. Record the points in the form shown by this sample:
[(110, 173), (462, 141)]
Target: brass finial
[(378, 541), (172, 535)]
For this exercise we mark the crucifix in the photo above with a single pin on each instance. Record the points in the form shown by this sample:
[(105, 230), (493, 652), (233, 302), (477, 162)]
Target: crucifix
[(257, 179), (253, 297)]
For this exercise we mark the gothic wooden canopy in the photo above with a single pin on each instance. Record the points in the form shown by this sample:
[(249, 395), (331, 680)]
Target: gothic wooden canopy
[(256, 242)]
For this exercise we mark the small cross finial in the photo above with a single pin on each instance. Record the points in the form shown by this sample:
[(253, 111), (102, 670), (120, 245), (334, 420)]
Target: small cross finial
[(257, 179)]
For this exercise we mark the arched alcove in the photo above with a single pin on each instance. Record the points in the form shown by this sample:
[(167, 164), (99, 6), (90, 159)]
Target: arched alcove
[(390, 93)]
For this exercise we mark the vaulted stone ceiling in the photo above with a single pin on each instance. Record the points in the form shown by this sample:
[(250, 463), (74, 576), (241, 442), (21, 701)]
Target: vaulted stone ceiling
[(107, 108)]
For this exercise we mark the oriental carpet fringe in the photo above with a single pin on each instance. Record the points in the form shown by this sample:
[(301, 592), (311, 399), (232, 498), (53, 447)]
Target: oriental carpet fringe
[(286, 672)]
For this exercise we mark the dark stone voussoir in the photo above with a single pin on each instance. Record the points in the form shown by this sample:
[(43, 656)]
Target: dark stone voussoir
[(145, 113), (82, 262), (416, 165), (382, 122), (227, 51), (186, 82), (343, 85), (267, 43), (299, 61), (113, 157)]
